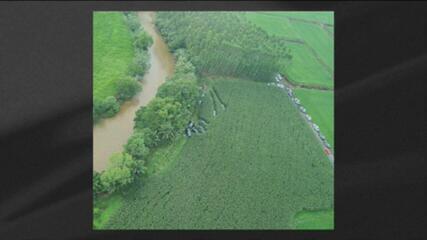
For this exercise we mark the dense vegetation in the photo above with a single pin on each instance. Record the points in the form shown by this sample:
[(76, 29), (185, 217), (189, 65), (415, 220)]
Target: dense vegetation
[(156, 124), (258, 166), (255, 168), (120, 59), (222, 43)]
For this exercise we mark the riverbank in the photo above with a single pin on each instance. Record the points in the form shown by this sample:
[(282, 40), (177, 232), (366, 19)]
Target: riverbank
[(110, 134)]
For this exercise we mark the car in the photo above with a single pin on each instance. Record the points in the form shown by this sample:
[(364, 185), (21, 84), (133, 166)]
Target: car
[(297, 101), (321, 137), (302, 109), (281, 85), (308, 117), (315, 127), (327, 145)]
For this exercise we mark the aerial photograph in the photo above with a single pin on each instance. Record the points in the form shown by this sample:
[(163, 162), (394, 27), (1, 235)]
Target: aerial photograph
[(206, 120)]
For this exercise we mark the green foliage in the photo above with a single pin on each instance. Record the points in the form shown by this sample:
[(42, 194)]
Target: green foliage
[(98, 188), (132, 21), (164, 116), (184, 91), (120, 172), (143, 40), (140, 64), (220, 43), (105, 108), (136, 146), (127, 87), (256, 167)]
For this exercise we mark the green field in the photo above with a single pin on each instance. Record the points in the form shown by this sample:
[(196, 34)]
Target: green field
[(314, 220), (318, 39), (320, 106), (257, 165), (305, 69), (273, 25), (313, 61), (113, 52)]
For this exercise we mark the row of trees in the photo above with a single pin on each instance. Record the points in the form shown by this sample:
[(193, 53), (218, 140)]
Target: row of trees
[(128, 86), (222, 43), (156, 124)]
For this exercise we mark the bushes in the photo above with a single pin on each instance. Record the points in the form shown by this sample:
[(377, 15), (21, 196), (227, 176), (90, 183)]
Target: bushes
[(127, 88), (164, 116), (167, 114), (136, 145), (139, 64), (122, 170), (142, 40), (105, 108)]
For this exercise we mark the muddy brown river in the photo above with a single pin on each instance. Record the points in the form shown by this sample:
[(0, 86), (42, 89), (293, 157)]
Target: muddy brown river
[(111, 134)]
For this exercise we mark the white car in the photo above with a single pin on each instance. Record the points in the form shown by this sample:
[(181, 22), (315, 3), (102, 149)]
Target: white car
[(302, 109), (281, 85), (315, 127), (322, 137), (308, 117), (297, 101)]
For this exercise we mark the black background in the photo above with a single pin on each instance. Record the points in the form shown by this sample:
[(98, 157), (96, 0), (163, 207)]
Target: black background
[(46, 122)]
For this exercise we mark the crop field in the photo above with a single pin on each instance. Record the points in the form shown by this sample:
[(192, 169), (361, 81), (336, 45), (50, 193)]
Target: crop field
[(320, 106), (256, 167), (313, 58), (112, 52)]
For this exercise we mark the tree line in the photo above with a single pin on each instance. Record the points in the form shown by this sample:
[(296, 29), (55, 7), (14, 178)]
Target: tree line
[(127, 87), (223, 43), (156, 124)]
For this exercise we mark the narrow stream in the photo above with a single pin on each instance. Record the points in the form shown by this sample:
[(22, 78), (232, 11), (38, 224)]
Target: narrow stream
[(110, 134)]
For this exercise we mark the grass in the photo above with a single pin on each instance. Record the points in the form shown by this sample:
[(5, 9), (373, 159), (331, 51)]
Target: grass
[(314, 220), (273, 25), (256, 167), (112, 52), (318, 39), (322, 17), (320, 106), (305, 69), (313, 61)]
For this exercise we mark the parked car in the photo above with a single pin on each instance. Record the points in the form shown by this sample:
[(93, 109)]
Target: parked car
[(327, 145), (302, 109), (315, 127), (297, 101), (322, 137), (308, 117)]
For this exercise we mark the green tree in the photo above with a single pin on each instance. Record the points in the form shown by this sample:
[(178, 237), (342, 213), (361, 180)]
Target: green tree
[(121, 171), (184, 91), (143, 40), (127, 87), (164, 116), (139, 64), (105, 108), (136, 146), (97, 184)]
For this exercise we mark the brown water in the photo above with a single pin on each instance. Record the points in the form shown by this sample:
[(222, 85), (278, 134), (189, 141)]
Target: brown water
[(110, 134)]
